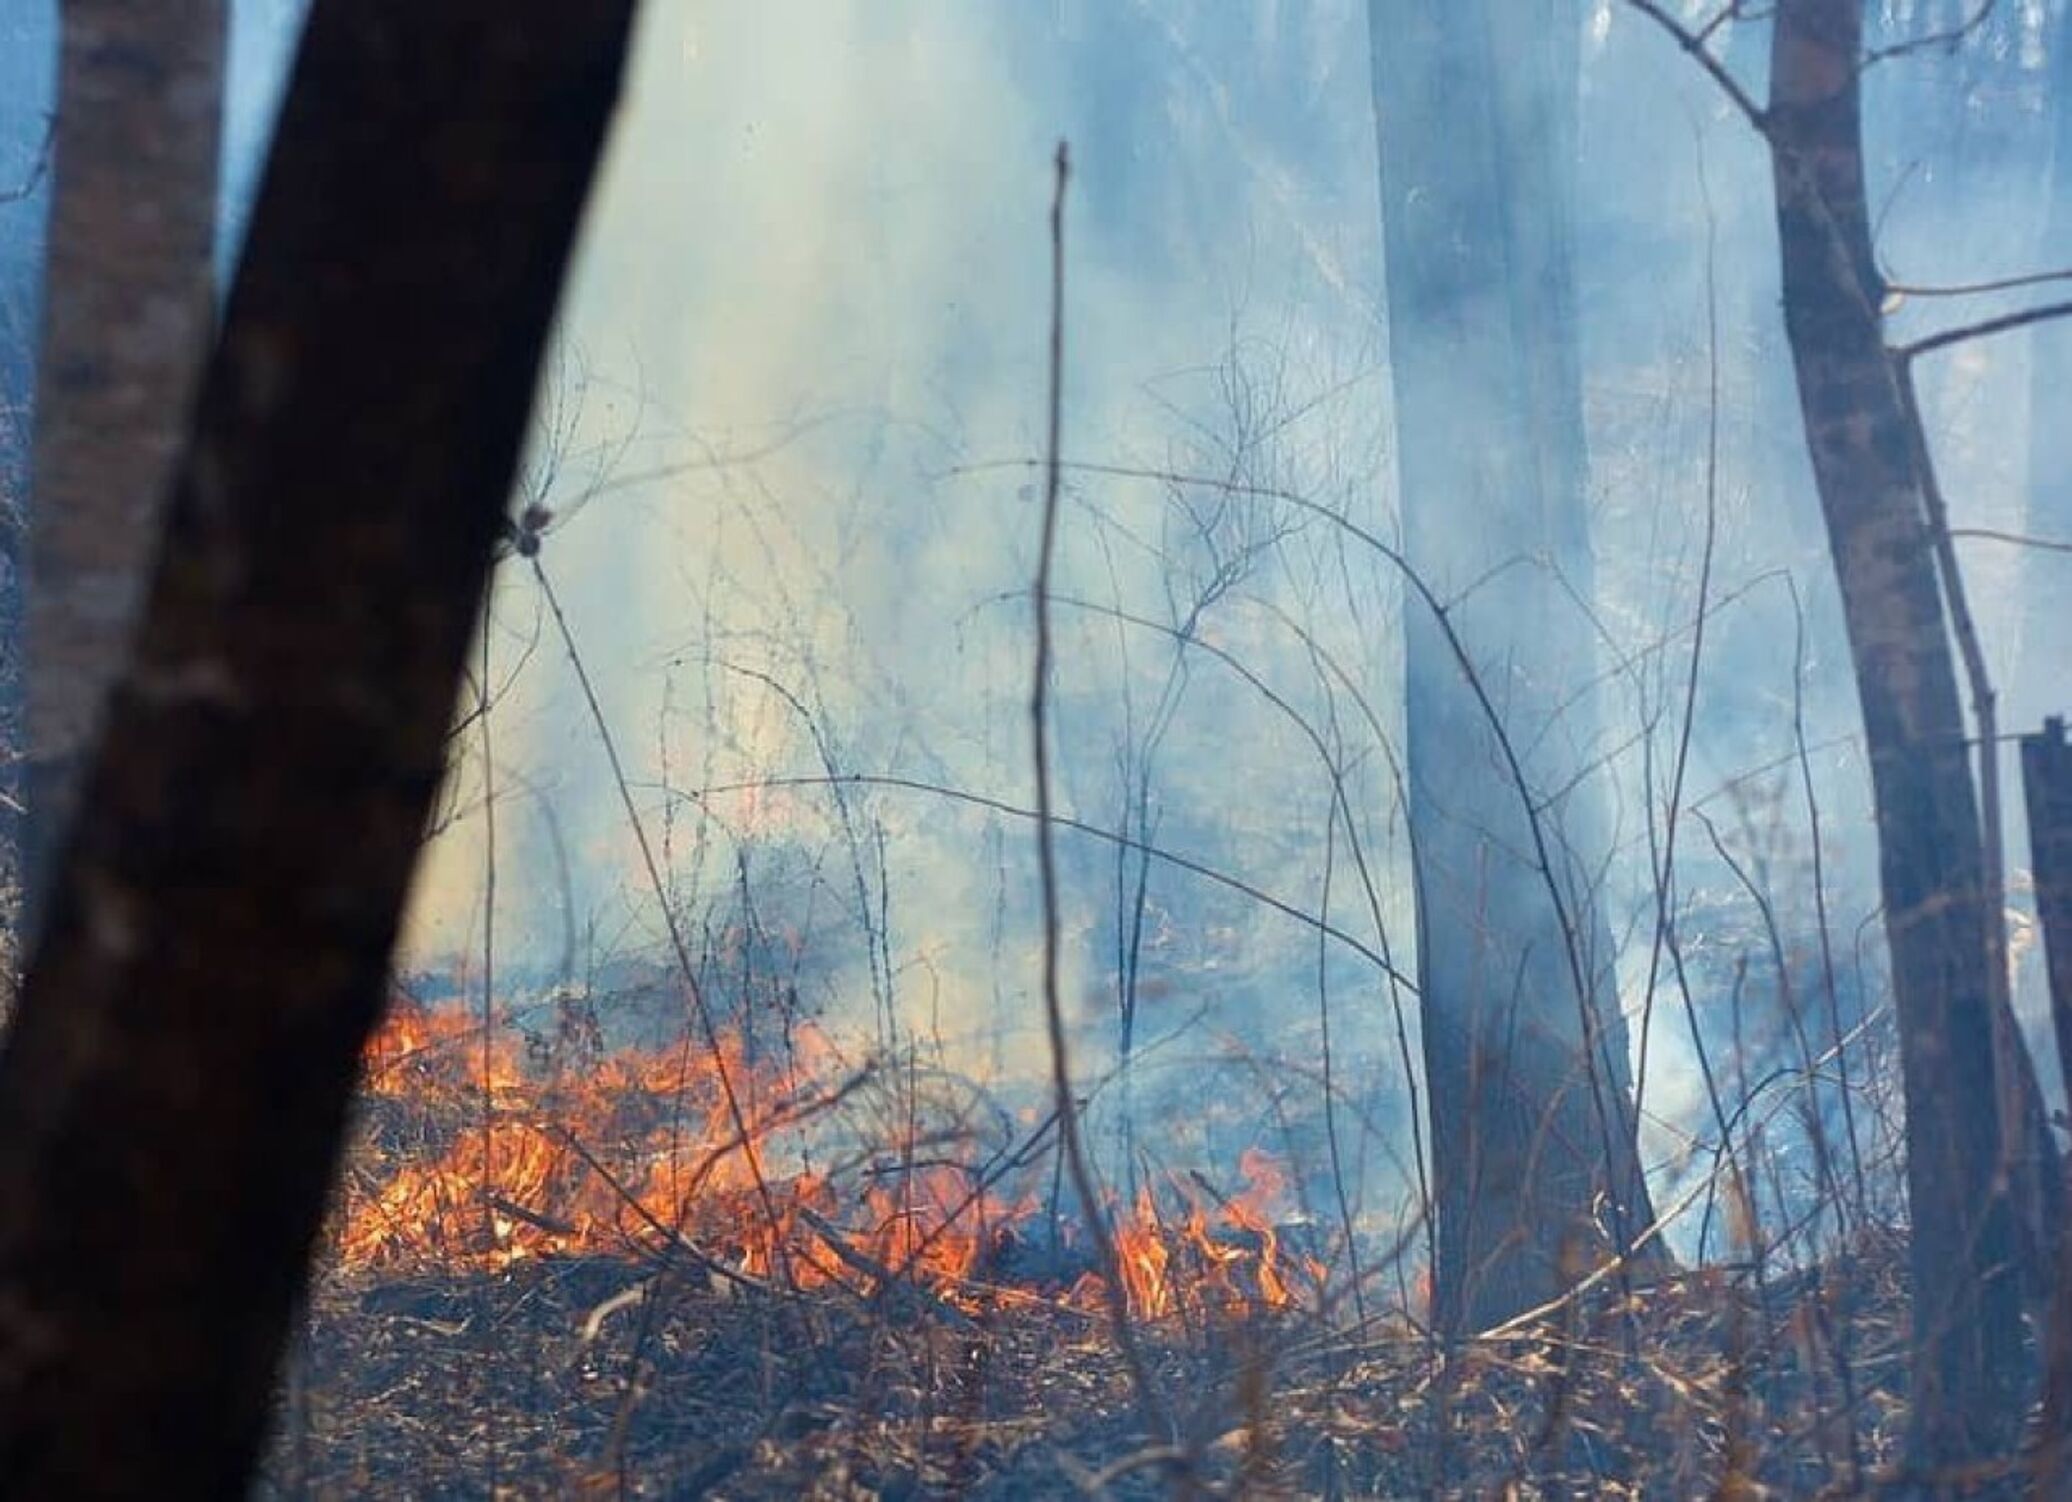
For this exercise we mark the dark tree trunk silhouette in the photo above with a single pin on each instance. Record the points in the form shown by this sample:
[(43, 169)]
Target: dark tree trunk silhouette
[(1969, 1374), (1535, 1168), (174, 1092), (127, 309)]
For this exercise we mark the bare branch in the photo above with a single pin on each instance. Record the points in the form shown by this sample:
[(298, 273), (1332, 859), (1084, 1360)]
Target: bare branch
[(2014, 539), (677, 943), (1693, 42), (39, 169), (1906, 354), (1949, 38), (1069, 1136), (1975, 289)]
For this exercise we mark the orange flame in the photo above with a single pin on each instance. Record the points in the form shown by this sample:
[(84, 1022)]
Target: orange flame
[(482, 1157)]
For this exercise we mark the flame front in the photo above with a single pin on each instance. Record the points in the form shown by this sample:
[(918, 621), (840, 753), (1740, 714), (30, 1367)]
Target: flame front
[(472, 1155)]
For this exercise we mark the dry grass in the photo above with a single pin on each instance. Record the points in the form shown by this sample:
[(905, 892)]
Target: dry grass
[(602, 1376)]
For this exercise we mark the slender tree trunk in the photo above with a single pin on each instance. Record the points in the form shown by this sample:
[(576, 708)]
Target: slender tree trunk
[(1969, 1374), (1532, 1116), (126, 321), (2047, 790), (2046, 623), (174, 1091)]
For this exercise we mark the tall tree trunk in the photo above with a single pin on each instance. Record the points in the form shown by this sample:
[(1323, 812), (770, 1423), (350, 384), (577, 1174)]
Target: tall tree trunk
[(27, 39), (1532, 1116), (2046, 623), (127, 310), (1969, 1374), (173, 1094)]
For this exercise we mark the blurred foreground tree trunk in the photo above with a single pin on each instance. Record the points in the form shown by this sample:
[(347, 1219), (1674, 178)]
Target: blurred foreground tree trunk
[(127, 311), (1535, 1169), (1973, 1125), (174, 1092)]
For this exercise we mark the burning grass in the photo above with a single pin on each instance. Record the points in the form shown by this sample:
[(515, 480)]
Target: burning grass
[(559, 1272), (481, 1153)]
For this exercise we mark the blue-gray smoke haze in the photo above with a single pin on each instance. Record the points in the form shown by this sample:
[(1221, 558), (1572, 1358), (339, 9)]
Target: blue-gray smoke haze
[(788, 444)]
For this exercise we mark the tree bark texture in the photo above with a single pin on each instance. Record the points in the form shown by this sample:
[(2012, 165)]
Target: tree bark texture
[(27, 37), (2047, 790), (1969, 1382), (1535, 1168), (127, 313), (2046, 623), (174, 1093)]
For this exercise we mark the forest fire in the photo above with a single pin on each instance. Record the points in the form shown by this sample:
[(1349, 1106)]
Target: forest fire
[(474, 1156)]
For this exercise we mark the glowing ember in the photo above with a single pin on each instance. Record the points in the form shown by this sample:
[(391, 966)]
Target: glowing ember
[(478, 1157)]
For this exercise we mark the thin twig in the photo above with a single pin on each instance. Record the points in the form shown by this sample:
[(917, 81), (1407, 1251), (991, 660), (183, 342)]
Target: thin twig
[(1330, 1102), (1610, 1114), (1949, 38), (490, 1197), (1172, 858), (1665, 937), (674, 1242), (1977, 289), (1610, 1267), (39, 169), (2016, 539), (1817, 841), (678, 944), (2014, 1088), (1046, 855), (884, 1281), (2042, 313), (1787, 996)]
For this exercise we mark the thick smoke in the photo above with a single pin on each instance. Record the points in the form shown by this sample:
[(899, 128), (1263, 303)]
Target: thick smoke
[(786, 452)]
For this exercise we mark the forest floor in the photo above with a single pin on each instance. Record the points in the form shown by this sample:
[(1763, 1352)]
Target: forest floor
[(597, 1376)]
